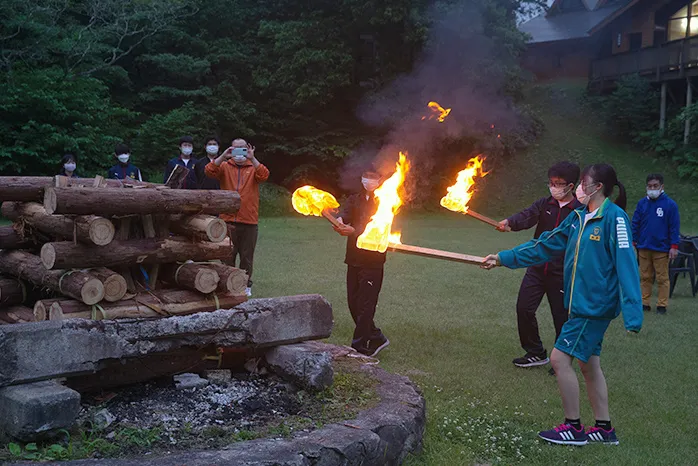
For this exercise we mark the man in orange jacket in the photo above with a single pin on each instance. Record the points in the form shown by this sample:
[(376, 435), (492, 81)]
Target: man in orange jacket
[(237, 169)]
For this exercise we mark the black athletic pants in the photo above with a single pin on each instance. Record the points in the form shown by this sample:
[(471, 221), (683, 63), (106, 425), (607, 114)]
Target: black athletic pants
[(363, 288), (534, 285), (244, 238)]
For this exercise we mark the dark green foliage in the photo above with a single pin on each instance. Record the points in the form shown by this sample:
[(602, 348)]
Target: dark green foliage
[(84, 75), (632, 114)]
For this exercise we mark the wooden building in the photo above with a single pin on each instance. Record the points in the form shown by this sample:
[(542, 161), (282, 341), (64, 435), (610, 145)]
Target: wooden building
[(603, 40)]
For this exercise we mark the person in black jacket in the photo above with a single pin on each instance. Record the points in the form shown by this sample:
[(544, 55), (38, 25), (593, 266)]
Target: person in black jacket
[(185, 159), (124, 169), (545, 214), (202, 181), (364, 268)]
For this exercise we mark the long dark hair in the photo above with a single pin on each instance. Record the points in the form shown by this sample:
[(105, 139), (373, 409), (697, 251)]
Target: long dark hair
[(606, 175), (65, 159)]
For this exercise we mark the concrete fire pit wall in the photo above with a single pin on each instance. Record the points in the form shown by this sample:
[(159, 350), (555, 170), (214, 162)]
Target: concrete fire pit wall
[(53, 349)]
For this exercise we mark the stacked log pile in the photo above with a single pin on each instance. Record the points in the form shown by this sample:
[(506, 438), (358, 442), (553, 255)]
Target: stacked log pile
[(110, 249)]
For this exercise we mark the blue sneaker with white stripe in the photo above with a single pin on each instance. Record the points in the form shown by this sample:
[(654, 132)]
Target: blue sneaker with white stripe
[(565, 434), (599, 435)]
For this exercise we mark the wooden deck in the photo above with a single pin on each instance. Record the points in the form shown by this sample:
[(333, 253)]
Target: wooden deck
[(673, 60)]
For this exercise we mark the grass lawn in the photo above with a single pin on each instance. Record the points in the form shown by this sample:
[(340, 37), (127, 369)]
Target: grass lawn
[(453, 331)]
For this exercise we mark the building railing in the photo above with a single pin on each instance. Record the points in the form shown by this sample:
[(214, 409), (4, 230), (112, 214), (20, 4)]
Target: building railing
[(671, 57)]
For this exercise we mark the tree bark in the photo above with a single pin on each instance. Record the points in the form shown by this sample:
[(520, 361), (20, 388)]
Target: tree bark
[(12, 292), (67, 255), (115, 286), (161, 303), (76, 284), (197, 277), (10, 239), (23, 188), (233, 280), (114, 201), (199, 227), (16, 315), (88, 229), (177, 177)]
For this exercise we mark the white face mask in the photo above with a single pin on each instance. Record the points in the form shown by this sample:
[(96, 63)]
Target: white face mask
[(370, 184), (559, 193), (212, 149), (654, 193), (186, 150), (582, 196), (240, 159), (69, 167), (123, 158)]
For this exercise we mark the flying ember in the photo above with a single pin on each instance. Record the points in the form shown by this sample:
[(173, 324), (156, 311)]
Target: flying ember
[(460, 193), (308, 200), (377, 235), (438, 112)]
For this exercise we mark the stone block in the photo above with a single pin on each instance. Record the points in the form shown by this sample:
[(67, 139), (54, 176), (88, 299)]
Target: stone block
[(32, 411), (303, 365), (81, 346), (218, 377), (187, 381)]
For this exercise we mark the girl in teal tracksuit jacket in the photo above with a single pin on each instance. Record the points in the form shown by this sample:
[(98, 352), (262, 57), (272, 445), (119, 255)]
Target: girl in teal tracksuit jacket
[(601, 280)]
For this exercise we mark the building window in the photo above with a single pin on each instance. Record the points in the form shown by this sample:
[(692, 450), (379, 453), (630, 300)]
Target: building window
[(635, 40), (679, 21)]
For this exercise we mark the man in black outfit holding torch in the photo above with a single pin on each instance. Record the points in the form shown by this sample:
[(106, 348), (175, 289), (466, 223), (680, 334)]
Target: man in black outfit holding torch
[(364, 268)]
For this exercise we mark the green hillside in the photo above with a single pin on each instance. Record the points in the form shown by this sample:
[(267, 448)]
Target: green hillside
[(575, 132)]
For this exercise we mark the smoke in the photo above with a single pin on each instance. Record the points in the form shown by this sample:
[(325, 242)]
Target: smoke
[(460, 68)]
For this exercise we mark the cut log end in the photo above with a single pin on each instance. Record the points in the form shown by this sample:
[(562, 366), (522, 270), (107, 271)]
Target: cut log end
[(92, 292), (206, 281), (217, 231), (49, 200), (48, 255), (101, 231), (40, 311), (115, 288)]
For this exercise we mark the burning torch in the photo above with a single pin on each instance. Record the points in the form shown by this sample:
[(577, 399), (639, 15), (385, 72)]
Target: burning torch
[(459, 194)]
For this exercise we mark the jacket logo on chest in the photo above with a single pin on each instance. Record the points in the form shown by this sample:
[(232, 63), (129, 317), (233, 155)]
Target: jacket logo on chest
[(596, 235), (660, 212)]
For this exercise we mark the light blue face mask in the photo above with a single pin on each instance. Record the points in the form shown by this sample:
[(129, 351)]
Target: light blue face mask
[(370, 184)]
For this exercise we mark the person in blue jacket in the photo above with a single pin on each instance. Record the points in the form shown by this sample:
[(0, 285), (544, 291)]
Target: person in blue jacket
[(124, 169), (656, 226), (600, 280)]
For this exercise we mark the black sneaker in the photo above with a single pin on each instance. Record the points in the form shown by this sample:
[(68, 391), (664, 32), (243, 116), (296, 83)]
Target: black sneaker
[(646, 308), (661, 310), (376, 346), (531, 360)]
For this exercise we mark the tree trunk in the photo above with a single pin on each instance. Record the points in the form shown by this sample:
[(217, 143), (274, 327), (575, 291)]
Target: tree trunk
[(161, 303), (101, 182), (233, 280), (67, 255), (115, 286), (200, 227), (10, 239), (16, 315), (23, 188), (114, 201), (197, 277), (76, 284), (12, 292), (88, 229)]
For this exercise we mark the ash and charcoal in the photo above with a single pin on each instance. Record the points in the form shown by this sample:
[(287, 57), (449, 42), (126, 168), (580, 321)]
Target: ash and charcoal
[(244, 402)]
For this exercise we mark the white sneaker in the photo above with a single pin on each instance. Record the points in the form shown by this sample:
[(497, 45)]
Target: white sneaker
[(248, 291)]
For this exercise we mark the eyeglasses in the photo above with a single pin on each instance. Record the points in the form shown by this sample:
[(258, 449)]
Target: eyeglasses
[(556, 185), (586, 186)]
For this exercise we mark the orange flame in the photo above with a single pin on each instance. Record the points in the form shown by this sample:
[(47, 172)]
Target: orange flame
[(438, 112), (308, 200), (377, 235), (460, 193)]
